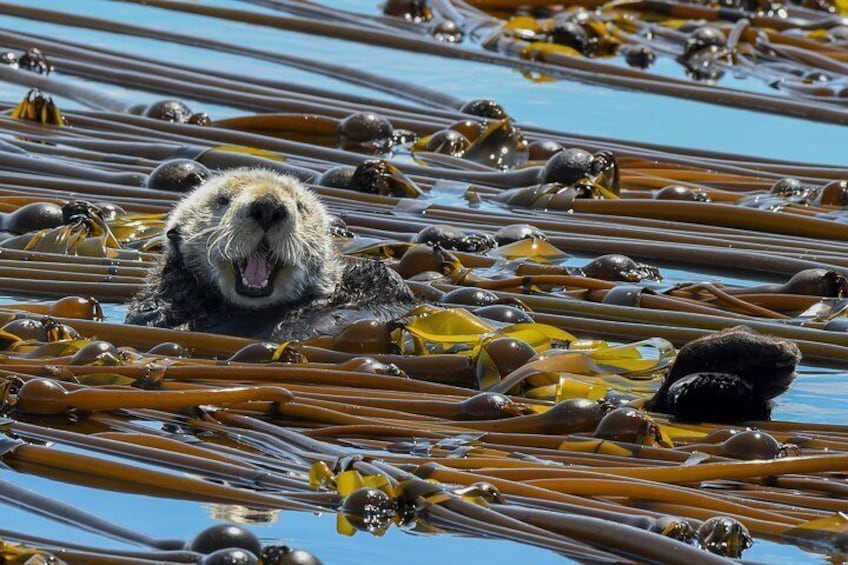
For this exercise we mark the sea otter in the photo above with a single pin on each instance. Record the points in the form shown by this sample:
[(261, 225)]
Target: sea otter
[(728, 376), (249, 253)]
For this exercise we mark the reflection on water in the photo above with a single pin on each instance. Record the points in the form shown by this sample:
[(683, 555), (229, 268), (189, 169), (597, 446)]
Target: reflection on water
[(243, 514), (170, 519)]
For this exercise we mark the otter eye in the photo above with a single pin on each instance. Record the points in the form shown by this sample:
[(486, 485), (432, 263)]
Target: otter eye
[(300, 207), (222, 200)]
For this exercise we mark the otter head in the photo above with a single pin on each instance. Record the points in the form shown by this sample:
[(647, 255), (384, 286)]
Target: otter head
[(260, 238)]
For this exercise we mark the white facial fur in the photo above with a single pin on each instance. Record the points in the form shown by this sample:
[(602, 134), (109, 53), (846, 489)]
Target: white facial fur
[(216, 230)]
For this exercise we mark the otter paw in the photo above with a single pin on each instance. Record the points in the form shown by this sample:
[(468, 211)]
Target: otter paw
[(714, 397)]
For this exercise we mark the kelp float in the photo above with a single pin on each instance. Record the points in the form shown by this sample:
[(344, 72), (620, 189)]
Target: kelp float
[(506, 405)]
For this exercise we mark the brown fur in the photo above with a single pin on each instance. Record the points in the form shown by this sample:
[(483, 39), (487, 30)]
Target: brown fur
[(750, 370)]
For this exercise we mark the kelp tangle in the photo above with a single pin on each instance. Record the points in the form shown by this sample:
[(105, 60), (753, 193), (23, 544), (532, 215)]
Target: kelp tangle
[(511, 402)]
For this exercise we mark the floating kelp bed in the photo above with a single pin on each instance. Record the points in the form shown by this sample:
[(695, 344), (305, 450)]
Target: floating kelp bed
[(557, 274)]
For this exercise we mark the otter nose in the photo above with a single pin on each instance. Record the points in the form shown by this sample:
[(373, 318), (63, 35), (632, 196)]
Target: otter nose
[(267, 212)]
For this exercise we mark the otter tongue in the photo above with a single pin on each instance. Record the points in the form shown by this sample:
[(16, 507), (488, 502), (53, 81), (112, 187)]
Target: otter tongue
[(256, 271)]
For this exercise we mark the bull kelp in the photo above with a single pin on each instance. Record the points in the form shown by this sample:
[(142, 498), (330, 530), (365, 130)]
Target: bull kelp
[(558, 274)]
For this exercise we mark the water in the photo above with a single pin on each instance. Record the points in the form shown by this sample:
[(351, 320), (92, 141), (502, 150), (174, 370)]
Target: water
[(819, 395), (167, 519), (562, 105)]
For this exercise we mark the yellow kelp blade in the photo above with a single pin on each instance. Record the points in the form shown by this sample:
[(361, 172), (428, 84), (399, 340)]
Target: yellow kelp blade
[(541, 337), (8, 340), (19, 554), (550, 363), (100, 379), (350, 481), (343, 525), (677, 433), (434, 329), (23, 111), (321, 475), (255, 151), (823, 533), (605, 192), (537, 250), (539, 51), (522, 23), (538, 77), (619, 365), (346, 482), (601, 446), (627, 357), (439, 329), (288, 352), (544, 392), (596, 387), (571, 385), (38, 107), (32, 349), (137, 227)]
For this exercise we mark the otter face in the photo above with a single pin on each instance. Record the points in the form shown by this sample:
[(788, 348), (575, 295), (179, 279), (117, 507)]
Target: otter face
[(260, 237)]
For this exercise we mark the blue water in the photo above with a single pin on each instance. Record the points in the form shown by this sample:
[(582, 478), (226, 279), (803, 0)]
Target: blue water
[(818, 395), (168, 519), (563, 105)]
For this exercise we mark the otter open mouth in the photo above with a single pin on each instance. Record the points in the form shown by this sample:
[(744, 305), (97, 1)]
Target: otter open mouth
[(255, 274)]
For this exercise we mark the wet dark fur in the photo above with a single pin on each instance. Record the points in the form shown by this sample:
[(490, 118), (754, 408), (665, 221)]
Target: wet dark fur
[(739, 373), (174, 298)]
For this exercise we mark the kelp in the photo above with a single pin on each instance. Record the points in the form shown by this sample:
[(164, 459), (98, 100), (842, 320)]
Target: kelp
[(561, 45), (520, 422), (338, 416), (37, 107)]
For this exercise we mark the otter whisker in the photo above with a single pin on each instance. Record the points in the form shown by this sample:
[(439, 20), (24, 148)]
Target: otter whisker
[(228, 246), (212, 237), (215, 245), (210, 247), (223, 242), (201, 233)]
